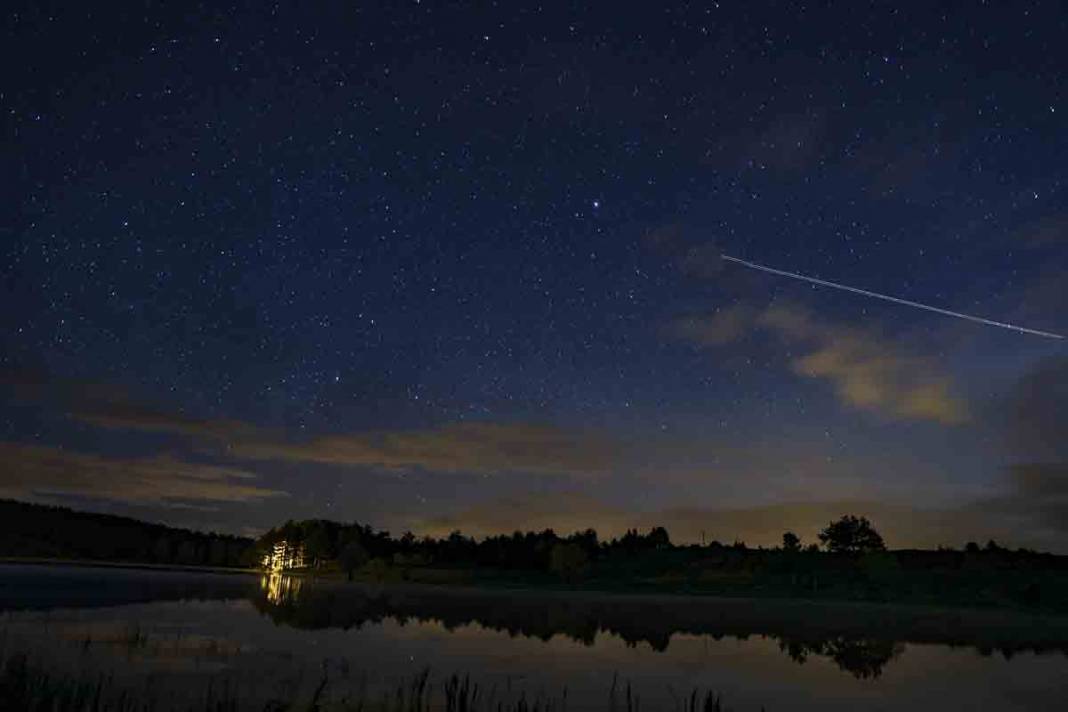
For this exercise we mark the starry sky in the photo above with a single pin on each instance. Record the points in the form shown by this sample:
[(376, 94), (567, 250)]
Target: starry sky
[(439, 266)]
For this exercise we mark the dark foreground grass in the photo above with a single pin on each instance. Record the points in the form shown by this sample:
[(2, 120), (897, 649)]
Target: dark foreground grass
[(29, 687)]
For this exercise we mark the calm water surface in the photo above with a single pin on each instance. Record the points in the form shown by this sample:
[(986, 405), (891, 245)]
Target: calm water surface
[(171, 633)]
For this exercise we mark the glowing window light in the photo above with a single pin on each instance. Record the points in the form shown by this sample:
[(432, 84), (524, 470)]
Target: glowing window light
[(283, 556)]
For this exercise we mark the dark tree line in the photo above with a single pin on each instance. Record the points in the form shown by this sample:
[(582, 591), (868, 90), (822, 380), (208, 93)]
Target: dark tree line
[(851, 561), (355, 545), (850, 538), (33, 530)]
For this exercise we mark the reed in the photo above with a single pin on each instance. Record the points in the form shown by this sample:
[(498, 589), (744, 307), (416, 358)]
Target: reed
[(31, 687)]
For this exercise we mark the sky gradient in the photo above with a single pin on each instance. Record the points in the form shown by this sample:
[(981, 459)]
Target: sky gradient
[(437, 267)]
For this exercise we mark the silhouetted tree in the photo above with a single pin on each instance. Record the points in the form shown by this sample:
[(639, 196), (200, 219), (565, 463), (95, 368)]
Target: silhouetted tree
[(352, 556), (587, 540), (658, 538), (851, 535), (791, 542), (40, 530), (630, 542), (317, 545), (864, 659), (163, 550)]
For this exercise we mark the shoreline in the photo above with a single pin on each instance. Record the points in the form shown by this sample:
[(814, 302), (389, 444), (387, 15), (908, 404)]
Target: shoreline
[(96, 563), (648, 617), (667, 598), (496, 589)]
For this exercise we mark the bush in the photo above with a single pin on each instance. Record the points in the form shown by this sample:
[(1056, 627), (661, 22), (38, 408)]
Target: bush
[(850, 535), (568, 561)]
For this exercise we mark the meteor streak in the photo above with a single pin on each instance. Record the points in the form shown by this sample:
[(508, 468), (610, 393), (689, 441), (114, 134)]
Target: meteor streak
[(896, 300)]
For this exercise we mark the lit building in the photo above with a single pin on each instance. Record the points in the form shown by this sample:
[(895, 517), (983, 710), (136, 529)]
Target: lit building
[(284, 556)]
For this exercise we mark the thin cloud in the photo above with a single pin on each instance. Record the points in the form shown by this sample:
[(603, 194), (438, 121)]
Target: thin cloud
[(109, 406), (694, 257), (564, 513), (1035, 412), (866, 370), (1010, 520), (1044, 232), (722, 326), (1035, 420), (481, 448), (131, 417), (468, 447), (1042, 480), (787, 145), (702, 261), (33, 471)]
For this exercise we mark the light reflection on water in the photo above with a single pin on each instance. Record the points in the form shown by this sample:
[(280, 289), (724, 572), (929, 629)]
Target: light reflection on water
[(280, 589), (289, 632)]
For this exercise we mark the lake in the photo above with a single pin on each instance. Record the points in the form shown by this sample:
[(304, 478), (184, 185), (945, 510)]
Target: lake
[(170, 635)]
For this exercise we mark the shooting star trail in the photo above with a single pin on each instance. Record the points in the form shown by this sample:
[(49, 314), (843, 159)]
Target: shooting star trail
[(887, 297)]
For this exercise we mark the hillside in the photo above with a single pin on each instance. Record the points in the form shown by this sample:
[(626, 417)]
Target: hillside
[(34, 530)]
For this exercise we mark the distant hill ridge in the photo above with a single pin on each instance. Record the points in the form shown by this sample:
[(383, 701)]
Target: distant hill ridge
[(36, 530)]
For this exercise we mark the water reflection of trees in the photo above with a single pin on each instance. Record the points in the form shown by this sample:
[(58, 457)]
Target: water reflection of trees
[(860, 640), (43, 588), (864, 658)]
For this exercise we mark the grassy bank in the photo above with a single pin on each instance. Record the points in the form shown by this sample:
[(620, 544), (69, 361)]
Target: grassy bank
[(28, 686)]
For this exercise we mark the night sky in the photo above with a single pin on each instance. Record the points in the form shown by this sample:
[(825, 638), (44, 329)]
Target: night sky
[(439, 266)]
